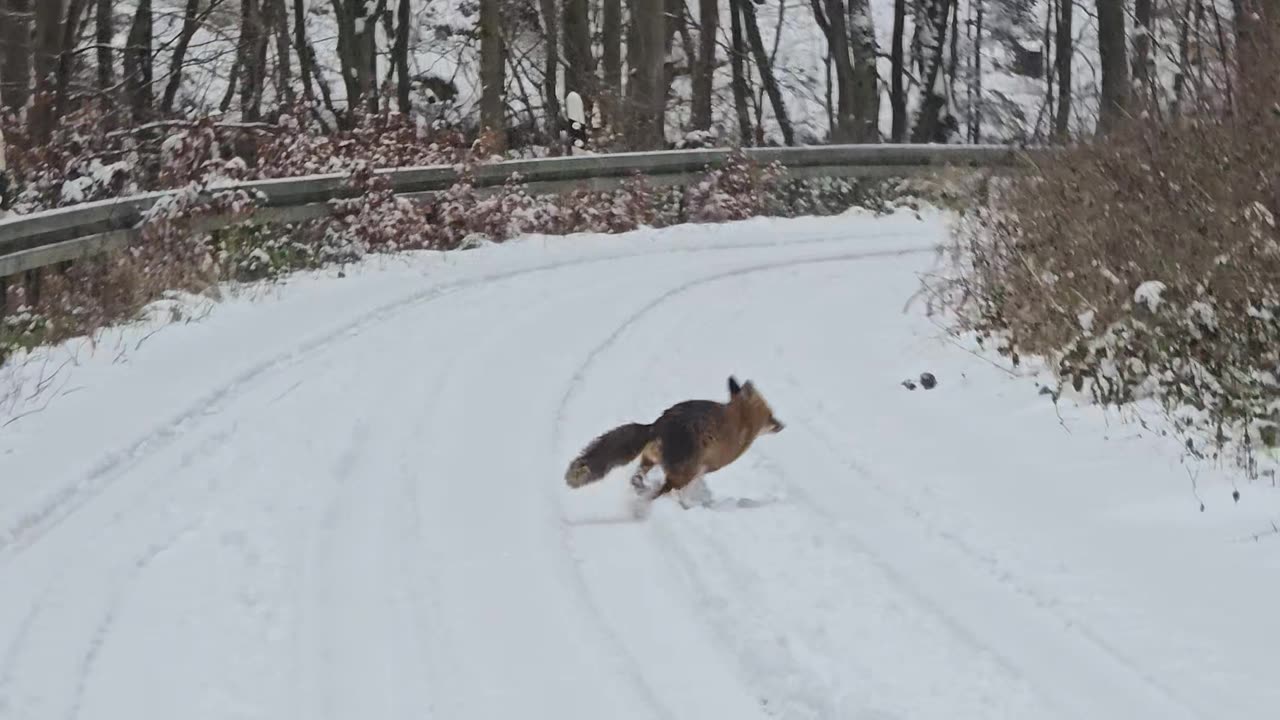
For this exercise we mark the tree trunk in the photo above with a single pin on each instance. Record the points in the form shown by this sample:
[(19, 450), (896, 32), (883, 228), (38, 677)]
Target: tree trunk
[(284, 69), (492, 73), (865, 83), (932, 43), (1257, 31), (400, 55), (355, 31), (1062, 123), (190, 24), (306, 56), (646, 87), (67, 57), (252, 72), (15, 54), (1115, 70), (104, 35), (673, 17), (831, 20), (366, 38), (748, 10), (47, 50), (1142, 60), (704, 68), (138, 67), (611, 58), (551, 68), (737, 55), (580, 67), (975, 84), (897, 87)]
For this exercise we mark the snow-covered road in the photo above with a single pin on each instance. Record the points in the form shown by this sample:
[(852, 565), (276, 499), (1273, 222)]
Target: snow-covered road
[(345, 501)]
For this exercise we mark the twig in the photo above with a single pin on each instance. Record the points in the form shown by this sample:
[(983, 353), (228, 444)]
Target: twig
[(1195, 491)]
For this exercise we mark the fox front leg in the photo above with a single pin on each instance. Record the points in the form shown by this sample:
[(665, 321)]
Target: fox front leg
[(695, 493)]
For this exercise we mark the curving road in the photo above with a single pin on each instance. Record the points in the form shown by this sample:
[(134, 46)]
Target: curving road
[(344, 501)]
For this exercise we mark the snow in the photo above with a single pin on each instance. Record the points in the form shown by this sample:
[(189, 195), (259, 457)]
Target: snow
[(342, 497), (1014, 106), (1150, 294)]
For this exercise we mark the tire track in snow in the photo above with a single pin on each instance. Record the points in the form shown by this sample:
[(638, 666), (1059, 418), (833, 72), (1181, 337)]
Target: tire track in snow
[(579, 377), (1155, 694), (36, 523), (581, 372), (137, 566), (982, 564), (191, 427), (627, 664)]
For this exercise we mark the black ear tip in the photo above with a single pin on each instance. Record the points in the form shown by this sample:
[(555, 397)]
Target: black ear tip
[(734, 387)]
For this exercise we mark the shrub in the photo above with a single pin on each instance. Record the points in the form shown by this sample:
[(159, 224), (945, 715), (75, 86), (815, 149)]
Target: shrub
[(1145, 265)]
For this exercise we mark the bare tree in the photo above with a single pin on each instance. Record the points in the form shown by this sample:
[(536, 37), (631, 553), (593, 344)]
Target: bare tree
[(931, 37), (104, 32), (897, 87), (138, 64), (580, 67), (1115, 69), (831, 20), (356, 50), (47, 48), (748, 10), (1257, 32), (252, 59), (279, 21), (191, 21), (704, 67), (67, 56), (307, 56), (975, 81), (737, 58), (646, 86), (400, 56), (611, 58), (866, 87), (1065, 49), (1143, 61), (551, 64), (492, 71), (16, 54)]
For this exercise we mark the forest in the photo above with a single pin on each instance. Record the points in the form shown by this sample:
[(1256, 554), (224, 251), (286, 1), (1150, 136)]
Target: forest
[(652, 73)]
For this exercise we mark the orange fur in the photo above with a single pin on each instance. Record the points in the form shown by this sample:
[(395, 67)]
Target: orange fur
[(690, 439)]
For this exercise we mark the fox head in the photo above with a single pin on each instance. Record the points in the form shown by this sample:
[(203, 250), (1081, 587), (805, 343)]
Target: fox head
[(758, 412)]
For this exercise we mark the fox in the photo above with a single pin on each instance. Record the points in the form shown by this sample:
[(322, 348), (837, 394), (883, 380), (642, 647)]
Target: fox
[(689, 440)]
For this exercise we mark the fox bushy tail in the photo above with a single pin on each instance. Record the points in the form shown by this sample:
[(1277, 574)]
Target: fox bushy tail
[(617, 447)]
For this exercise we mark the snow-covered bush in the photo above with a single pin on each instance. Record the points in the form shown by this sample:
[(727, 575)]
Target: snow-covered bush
[(737, 190), (1146, 265), (387, 140)]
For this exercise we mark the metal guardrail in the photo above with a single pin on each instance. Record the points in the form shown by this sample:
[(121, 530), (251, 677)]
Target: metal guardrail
[(28, 242)]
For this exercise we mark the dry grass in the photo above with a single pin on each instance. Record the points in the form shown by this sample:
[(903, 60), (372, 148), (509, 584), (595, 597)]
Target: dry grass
[(1144, 265)]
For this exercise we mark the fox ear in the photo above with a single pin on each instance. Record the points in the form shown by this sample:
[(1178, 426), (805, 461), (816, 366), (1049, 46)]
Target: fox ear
[(734, 387)]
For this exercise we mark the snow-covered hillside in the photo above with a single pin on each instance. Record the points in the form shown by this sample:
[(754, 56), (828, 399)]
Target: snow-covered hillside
[(345, 499)]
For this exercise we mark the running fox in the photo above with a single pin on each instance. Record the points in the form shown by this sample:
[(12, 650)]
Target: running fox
[(688, 440)]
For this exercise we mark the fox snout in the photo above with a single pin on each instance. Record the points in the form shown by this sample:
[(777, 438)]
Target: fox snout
[(776, 425)]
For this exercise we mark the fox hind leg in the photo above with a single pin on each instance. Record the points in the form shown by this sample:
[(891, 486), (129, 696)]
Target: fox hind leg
[(641, 474), (650, 456)]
